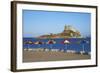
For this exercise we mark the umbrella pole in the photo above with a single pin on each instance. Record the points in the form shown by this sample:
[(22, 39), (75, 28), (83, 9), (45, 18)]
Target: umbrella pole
[(65, 48), (83, 48), (27, 46), (38, 46), (50, 46)]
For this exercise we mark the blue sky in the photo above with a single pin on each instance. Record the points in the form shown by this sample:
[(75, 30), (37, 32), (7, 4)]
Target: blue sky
[(36, 23)]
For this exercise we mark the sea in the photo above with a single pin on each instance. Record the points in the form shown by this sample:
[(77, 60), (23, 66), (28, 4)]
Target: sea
[(77, 44)]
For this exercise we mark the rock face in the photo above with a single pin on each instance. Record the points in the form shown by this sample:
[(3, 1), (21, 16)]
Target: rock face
[(68, 32)]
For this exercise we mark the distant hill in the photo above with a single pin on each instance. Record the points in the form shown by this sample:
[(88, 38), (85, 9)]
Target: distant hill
[(68, 32)]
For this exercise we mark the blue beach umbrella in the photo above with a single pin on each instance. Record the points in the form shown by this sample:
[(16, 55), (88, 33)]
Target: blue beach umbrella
[(83, 42)]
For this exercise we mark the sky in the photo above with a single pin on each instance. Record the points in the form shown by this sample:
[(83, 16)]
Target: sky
[(37, 23)]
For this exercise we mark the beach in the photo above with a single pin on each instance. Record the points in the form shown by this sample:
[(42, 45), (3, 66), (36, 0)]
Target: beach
[(41, 56)]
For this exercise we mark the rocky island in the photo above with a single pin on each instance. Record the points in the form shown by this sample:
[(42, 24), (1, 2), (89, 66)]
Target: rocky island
[(68, 32)]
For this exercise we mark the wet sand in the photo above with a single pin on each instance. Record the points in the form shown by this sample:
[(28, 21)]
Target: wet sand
[(38, 56)]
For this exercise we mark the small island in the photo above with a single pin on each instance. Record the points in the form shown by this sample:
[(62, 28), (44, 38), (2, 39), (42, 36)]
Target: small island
[(68, 32)]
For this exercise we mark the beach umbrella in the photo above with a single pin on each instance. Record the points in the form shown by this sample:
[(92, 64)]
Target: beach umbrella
[(38, 43), (65, 42), (83, 42), (25, 43), (51, 42), (28, 43)]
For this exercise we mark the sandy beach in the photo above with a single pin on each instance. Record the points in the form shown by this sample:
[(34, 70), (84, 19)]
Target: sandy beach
[(38, 56)]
